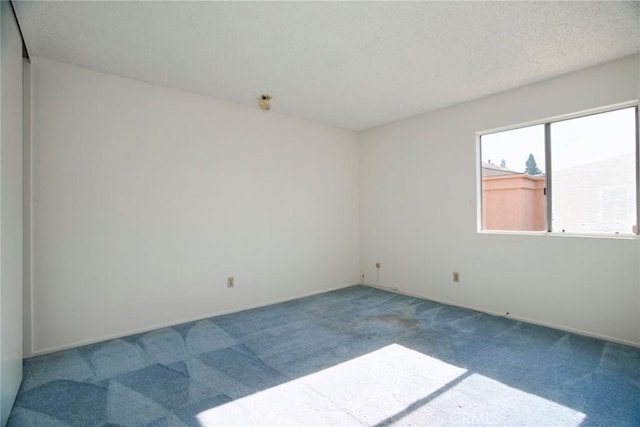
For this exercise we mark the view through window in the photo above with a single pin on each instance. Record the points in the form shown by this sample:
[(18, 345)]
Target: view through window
[(590, 183)]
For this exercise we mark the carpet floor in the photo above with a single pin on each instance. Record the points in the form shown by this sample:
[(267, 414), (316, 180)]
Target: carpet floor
[(357, 356)]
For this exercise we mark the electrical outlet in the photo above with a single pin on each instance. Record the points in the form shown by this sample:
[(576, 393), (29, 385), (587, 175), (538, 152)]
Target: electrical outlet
[(456, 277), (230, 282)]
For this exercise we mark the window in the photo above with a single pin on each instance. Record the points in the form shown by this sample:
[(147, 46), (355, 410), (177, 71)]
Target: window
[(575, 175)]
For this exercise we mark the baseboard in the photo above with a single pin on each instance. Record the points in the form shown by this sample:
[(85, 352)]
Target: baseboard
[(180, 322), (384, 288), (510, 316)]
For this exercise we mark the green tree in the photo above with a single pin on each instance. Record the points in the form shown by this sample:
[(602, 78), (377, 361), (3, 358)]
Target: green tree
[(532, 167)]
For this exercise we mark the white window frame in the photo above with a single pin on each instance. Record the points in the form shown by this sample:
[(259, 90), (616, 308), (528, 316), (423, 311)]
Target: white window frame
[(548, 178)]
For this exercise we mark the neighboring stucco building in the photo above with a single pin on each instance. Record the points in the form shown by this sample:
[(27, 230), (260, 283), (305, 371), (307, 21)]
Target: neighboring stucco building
[(597, 197), (511, 200)]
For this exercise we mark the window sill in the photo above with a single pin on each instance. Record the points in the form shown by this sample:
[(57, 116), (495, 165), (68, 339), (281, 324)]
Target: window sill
[(555, 234)]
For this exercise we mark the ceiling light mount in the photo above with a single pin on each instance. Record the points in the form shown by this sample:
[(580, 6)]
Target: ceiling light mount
[(264, 101)]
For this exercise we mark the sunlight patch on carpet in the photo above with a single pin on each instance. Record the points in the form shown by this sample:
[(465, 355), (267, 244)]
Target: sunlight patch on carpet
[(392, 385)]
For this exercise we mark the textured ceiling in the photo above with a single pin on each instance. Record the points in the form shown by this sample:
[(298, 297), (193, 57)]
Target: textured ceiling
[(353, 65)]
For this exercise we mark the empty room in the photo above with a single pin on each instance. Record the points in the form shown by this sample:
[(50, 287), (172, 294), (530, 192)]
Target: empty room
[(321, 213)]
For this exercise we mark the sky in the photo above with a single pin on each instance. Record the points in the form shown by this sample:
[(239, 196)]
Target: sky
[(574, 142)]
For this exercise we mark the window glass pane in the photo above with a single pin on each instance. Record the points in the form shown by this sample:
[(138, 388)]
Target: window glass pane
[(593, 173), (513, 180)]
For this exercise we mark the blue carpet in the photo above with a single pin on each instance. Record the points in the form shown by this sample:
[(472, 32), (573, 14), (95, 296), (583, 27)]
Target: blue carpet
[(357, 356)]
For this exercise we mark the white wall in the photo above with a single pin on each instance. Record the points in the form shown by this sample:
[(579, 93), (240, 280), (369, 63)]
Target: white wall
[(418, 216), (146, 198), (10, 210)]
